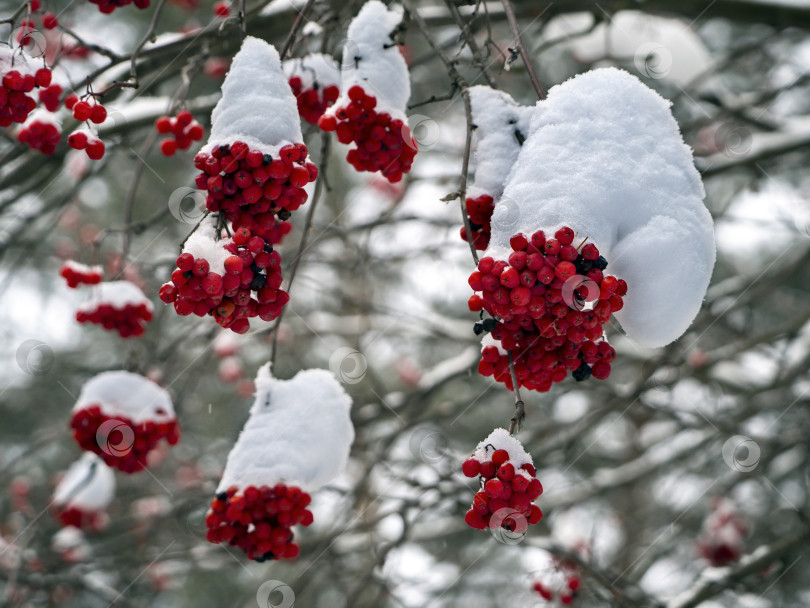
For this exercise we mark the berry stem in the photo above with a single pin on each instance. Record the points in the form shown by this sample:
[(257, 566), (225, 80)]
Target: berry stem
[(520, 412), (513, 24)]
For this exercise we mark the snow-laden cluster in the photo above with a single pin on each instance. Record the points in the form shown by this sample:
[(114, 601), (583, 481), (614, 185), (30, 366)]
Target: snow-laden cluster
[(205, 243), (126, 395), (88, 485), (501, 126), (500, 439), (299, 433), (605, 156), (313, 69), (118, 295), (372, 61), (257, 106)]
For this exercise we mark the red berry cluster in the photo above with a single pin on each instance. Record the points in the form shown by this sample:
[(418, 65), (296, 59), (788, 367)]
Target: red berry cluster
[(250, 287), (250, 187), (503, 487), (116, 452), (71, 516), (129, 321), (42, 135), (85, 140), (383, 144), (537, 299), (313, 101), (88, 109), (108, 6), (49, 97), (259, 520), (184, 130), (79, 274), (479, 212), (15, 103)]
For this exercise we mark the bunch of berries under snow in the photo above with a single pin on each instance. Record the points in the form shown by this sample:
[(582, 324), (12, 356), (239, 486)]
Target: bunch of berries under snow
[(501, 126), (508, 485), (76, 273), (722, 539), (596, 182), (375, 89), (41, 131), (315, 82), (115, 305), (84, 493), (296, 439), (19, 76), (122, 416)]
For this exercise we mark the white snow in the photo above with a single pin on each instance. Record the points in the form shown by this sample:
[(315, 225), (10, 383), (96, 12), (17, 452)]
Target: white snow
[(15, 58), (313, 68), (88, 485), (372, 61), (128, 395), (43, 116), (299, 433), (496, 117), (500, 439), (82, 268), (203, 244), (606, 158), (257, 105), (117, 294)]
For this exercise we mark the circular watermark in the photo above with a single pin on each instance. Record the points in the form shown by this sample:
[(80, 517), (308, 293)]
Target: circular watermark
[(653, 60), (34, 357), (508, 526), (734, 140), (29, 39), (741, 453), (350, 56), (428, 445), (506, 216), (348, 364), (424, 132), (115, 438), (579, 292), (187, 205), (275, 594)]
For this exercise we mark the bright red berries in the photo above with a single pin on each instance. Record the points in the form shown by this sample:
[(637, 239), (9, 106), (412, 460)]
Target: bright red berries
[(15, 102), (382, 143), (183, 130), (313, 101), (49, 21), (258, 520), (78, 518), (80, 274), (479, 212), (722, 539), (40, 132), (87, 141), (108, 6), (119, 306), (548, 307), (89, 110), (49, 97)]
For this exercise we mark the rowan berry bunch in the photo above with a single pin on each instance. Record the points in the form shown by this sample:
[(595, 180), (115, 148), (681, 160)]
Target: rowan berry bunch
[(508, 485), (119, 306), (50, 97), (86, 109), (183, 130), (249, 187), (80, 274), (249, 286), (82, 139), (108, 6), (537, 299), (479, 212), (124, 444), (79, 518), (259, 520), (16, 103), (382, 143), (313, 101), (40, 132)]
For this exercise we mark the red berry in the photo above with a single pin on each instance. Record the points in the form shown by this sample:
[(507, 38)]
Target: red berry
[(499, 457), (471, 467)]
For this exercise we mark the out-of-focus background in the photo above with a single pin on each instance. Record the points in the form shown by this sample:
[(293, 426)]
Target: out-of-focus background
[(686, 458)]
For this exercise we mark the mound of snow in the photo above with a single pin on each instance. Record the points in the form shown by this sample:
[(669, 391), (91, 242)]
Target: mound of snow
[(128, 395)]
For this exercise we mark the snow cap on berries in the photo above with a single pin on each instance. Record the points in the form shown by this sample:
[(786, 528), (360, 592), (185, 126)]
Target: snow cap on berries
[(299, 433), (128, 395), (499, 122), (118, 294), (373, 62), (500, 439), (605, 157), (88, 485), (257, 105), (313, 68), (203, 243), (16, 58)]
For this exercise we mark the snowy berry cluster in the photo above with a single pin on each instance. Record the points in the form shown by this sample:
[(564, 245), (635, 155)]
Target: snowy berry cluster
[(383, 144), (88, 109), (80, 274), (119, 306), (508, 485), (108, 6), (723, 537), (313, 101), (127, 444), (183, 130), (250, 286), (538, 300), (479, 212), (50, 96), (259, 520), (86, 140), (249, 187), (79, 518), (40, 132), (15, 102)]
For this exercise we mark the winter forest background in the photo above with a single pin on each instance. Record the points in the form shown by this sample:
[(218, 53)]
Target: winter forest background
[(686, 458)]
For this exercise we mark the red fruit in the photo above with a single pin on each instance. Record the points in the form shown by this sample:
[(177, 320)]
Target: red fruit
[(70, 101), (494, 488), (471, 467), (168, 147), (49, 21), (43, 77), (564, 235), (518, 242), (506, 472), (488, 469), (475, 520), (565, 270), (535, 515), (222, 9), (95, 150), (499, 457), (77, 140), (163, 124), (98, 114), (81, 111)]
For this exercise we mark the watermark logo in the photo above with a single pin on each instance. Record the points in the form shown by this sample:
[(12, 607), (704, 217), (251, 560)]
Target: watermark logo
[(187, 205), (741, 453), (653, 60), (348, 364), (34, 357), (115, 438), (275, 594)]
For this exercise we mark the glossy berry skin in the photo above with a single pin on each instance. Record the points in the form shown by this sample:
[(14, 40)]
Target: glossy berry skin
[(313, 100), (16, 101), (548, 303), (79, 274), (259, 520)]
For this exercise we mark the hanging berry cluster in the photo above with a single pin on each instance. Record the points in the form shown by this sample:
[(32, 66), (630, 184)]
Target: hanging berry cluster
[(40, 132), (259, 520), (313, 101), (183, 130), (722, 539), (117, 305), (83, 493), (537, 299), (315, 82), (18, 81), (508, 485), (479, 213), (80, 274), (92, 112)]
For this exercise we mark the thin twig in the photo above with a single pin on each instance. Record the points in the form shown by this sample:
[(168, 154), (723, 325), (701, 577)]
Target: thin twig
[(513, 25), (520, 412), (299, 21), (133, 62)]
